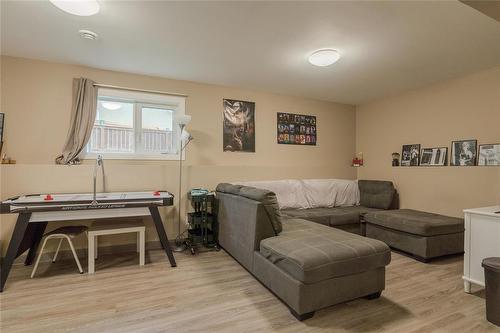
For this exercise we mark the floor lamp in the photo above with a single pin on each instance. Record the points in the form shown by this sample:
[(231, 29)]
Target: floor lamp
[(185, 139)]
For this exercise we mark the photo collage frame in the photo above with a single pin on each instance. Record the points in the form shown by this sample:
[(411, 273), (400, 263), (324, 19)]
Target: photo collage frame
[(296, 129)]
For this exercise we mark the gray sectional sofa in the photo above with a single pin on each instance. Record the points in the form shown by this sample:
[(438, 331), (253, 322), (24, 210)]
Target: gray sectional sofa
[(374, 195), (309, 266), (311, 253)]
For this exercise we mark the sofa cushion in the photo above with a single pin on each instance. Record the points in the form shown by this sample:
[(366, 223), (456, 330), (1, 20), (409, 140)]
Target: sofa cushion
[(229, 188), (310, 193), (318, 215), (311, 252), (376, 193), (329, 193), (416, 222), (330, 216), (267, 198), (289, 192)]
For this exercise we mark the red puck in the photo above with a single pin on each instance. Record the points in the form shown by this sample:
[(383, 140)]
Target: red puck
[(48, 197)]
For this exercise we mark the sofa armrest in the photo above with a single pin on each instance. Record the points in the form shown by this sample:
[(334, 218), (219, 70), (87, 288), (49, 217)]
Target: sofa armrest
[(376, 193), (243, 223), (395, 200)]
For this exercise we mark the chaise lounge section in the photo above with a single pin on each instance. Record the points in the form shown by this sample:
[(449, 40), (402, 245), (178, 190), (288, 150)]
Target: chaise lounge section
[(423, 235), (309, 266)]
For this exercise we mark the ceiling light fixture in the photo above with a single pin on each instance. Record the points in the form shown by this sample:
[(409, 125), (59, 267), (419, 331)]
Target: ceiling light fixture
[(324, 57), (87, 34), (77, 7)]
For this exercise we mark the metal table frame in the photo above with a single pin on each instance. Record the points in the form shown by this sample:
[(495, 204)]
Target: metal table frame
[(30, 227)]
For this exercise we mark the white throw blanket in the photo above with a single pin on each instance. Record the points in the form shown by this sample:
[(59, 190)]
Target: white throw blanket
[(310, 193)]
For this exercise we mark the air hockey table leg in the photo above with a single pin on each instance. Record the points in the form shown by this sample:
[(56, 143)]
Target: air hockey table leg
[(39, 229), (13, 249), (160, 229)]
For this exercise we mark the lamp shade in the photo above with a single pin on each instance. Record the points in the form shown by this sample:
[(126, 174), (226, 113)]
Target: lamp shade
[(183, 120), (186, 136)]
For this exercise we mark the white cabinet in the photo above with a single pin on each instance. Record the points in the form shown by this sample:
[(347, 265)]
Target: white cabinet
[(482, 240)]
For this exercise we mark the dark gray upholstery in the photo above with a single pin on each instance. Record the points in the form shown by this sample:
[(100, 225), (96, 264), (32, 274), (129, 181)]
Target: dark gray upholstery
[(336, 216), (267, 198), (311, 252), (305, 298), (416, 222), (243, 223), (71, 231), (336, 266), (425, 235), (376, 193)]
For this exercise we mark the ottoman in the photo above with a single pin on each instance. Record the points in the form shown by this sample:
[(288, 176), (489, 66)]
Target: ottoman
[(423, 235)]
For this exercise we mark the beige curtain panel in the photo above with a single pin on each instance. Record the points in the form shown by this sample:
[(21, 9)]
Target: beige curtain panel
[(83, 115)]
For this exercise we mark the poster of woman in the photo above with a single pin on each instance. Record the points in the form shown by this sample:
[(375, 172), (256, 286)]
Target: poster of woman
[(239, 126), (464, 152)]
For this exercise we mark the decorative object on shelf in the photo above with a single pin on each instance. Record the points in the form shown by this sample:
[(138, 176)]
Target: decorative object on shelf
[(5, 159), (203, 221), (185, 139), (463, 153), (395, 159), (296, 129), (357, 161), (8, 160), (489, 154), (239, 126), (434, 156), (410, 155)]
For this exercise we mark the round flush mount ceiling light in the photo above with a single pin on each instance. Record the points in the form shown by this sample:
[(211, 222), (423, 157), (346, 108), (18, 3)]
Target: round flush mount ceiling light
[(87, 34), (324, 57), (77, 7)]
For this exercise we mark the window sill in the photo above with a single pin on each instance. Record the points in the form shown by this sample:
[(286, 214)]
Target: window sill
[(133, 157)]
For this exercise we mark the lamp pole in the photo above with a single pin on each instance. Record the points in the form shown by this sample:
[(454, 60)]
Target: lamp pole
[(179, 241)]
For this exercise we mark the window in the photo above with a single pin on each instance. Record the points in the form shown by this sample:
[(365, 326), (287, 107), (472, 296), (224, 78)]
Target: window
[(135, 125)]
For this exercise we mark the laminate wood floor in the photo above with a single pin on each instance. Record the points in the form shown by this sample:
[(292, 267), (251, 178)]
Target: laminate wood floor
[(210, 292)]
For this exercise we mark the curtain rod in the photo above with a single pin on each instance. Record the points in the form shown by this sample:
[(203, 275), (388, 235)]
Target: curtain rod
[(139, 90)]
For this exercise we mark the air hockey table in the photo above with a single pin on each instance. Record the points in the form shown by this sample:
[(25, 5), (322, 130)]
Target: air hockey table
[(36, 210)]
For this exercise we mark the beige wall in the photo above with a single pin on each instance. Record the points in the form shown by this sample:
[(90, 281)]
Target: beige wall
[(36, 97), (465, 108)]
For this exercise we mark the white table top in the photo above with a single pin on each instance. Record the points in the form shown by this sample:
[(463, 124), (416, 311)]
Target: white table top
[(76, 197), (488, 211)]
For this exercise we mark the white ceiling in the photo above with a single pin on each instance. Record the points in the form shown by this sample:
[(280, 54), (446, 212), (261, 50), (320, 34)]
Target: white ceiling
[(386, 47)]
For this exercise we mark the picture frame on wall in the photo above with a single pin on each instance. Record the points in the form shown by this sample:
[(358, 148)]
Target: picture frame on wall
[(296, 129), (463, 152), (489, 154), (410, 155), (238, 126), (434, 156)]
